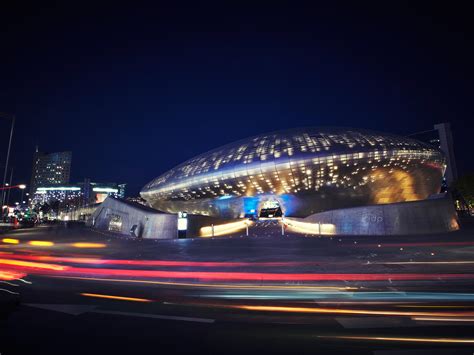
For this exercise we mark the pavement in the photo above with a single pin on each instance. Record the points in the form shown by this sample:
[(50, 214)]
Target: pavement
[(85, 291)]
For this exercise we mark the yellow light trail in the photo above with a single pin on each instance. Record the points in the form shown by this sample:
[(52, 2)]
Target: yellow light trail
[(10, 241), (268, 287), (40, 243), (119, 298), (350, 311), (401, 339), (9, 275), (88, 245), (32, 264)]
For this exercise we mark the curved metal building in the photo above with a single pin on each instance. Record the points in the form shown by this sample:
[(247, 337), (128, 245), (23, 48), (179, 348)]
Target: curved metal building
[(300, 172)]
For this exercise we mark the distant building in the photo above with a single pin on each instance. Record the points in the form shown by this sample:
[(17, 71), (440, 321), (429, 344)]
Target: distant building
[(50, 169), (98, 192), (73, 196)]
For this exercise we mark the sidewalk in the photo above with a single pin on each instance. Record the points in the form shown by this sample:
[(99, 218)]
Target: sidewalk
[(5, 227)]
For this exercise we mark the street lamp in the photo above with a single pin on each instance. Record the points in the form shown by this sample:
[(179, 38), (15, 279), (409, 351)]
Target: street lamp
[(12, 118), (22, 187)]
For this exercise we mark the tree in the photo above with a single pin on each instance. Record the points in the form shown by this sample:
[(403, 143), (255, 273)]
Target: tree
[(464, 187)]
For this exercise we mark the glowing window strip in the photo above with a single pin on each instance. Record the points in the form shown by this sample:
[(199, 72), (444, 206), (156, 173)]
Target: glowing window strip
[(58, 188), (104, 189)]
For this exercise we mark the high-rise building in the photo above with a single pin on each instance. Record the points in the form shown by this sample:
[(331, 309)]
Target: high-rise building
[(50, 169)]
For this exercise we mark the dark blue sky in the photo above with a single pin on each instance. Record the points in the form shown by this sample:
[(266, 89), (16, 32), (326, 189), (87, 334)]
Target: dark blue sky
[(135, 90)]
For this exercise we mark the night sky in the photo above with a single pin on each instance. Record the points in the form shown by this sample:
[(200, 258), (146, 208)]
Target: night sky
[(134, 90)]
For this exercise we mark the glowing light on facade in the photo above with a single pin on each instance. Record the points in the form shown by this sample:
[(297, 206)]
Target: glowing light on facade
[(307, 170), (310, 228), (223, 229)]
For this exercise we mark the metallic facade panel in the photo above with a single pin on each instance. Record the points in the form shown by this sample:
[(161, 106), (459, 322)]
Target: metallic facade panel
[(307, 170)]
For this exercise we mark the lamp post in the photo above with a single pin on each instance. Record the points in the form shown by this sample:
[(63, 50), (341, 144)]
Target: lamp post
[(22, 187), (8, 191), (4, 115)]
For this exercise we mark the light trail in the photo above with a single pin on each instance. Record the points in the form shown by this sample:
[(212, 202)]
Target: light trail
[(8, 291), (179, 263), (40, 243), (10, 241), (400, 339), (163, 262), (88, 245), (248, 276), (203, 285), (119, 298), (237, 276), (339, 294), (32, 265), (10, 275), (288, 309)]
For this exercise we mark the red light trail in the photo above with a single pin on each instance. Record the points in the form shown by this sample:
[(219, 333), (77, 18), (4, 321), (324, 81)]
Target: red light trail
[(42, 268)]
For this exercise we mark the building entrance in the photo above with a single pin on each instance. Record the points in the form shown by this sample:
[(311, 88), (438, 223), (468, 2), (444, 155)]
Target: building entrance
[(270, 209)]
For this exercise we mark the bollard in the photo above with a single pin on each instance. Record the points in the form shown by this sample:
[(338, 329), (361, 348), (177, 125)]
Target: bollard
[(212, 226)]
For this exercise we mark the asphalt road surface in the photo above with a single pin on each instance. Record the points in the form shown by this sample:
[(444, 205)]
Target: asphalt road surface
[(87, 292)]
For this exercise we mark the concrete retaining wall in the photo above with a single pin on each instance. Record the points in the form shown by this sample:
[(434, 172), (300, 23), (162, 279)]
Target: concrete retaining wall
[(133, 219), (436, 215)]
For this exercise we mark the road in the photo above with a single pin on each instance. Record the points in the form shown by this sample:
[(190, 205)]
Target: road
[(88, 292)]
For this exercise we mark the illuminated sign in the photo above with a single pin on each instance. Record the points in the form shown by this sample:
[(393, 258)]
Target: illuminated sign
[(182, 221), (58, 188), (104, 189)]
